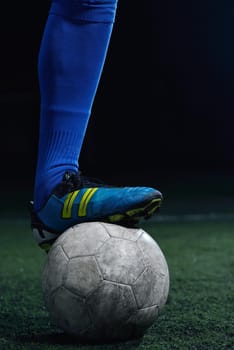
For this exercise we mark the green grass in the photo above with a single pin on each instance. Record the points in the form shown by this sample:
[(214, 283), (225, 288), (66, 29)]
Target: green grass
[(197, 316)]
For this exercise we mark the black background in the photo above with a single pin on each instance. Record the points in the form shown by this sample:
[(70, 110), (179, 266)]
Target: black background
[(165, 100)]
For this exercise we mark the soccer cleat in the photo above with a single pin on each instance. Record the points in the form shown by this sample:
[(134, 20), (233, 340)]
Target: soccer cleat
[(77, 199)]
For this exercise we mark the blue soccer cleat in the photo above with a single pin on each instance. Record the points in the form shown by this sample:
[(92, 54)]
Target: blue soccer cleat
[(77, 199)]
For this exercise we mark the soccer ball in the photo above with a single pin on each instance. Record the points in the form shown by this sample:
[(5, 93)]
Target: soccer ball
[(105, 282)]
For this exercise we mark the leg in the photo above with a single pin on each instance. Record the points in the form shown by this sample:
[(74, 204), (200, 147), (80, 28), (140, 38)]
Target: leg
[(71, 60)]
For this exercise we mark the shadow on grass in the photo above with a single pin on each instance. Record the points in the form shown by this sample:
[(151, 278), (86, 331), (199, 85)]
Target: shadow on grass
[(57, 338)]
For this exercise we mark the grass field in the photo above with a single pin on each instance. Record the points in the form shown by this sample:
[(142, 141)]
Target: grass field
[(199, 313)]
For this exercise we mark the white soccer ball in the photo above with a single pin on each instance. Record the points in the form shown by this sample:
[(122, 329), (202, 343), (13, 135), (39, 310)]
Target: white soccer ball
[(104, 282)]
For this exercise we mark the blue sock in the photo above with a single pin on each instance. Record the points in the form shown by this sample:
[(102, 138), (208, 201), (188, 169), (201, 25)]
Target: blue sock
[(70, 63)]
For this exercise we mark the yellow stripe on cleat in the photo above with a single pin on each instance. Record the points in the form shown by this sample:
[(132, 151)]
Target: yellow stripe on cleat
[(134, 212), (153, 205), (67, 206), (157, 204), (85, 201), (115, 218)]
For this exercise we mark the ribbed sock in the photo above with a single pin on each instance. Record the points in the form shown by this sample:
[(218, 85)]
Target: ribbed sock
[(71, 59)]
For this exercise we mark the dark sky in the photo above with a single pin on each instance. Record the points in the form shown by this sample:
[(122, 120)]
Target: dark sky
[(168, 80)]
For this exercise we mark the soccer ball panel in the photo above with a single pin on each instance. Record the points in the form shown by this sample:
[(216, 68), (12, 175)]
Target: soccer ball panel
[(142, 319), (54, 270), (111, 303), (155, 258), (122, 232), (85, 239), (153, 254), (149, 288), (165, 292), (69, 311), (82, 275), (120, 261)]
